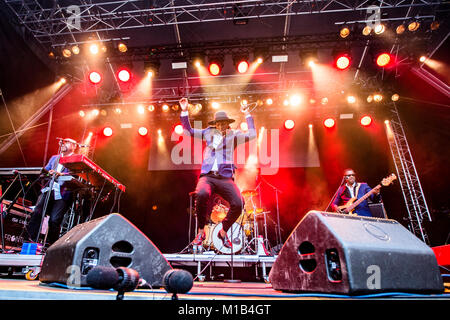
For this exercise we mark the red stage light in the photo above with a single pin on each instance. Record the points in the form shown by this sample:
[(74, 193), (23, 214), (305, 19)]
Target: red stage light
[(179, 129), (107, 131), (143, 131), (95, 77), (383, 59), (124, 75), (289, 124), (365, 121), (343, 62), (329, 123), (242, 67), (214, 69)]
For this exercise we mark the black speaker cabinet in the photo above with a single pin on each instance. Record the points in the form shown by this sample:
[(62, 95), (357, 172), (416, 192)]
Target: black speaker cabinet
[(110, 241), (337, 253)]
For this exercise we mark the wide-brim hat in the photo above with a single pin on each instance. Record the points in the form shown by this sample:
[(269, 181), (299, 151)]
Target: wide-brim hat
[(221, 116), (70, 140)]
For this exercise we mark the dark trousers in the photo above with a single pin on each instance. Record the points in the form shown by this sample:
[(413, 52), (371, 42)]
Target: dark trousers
[(55, 209), (226, 188)]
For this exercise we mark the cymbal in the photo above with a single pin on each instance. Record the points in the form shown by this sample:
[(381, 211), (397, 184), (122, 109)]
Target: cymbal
[(249, 193)]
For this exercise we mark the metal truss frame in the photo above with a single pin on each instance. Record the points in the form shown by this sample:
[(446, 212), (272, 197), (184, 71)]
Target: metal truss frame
[(51, 25), (413, 194)]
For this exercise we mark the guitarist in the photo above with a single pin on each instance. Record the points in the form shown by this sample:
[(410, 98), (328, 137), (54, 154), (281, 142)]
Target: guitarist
[(350, 191)]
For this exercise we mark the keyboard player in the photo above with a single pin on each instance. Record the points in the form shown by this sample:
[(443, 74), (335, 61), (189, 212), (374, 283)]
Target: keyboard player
[(59, 201)]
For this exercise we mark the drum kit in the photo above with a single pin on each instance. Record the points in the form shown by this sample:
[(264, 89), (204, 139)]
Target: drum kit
[(244, 233)]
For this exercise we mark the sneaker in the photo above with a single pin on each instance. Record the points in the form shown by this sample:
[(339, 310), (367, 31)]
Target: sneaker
[(201, 236), (225, 240)]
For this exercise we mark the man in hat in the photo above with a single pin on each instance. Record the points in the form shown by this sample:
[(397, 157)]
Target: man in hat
[(217, 171), (60, 198), (352, 189)]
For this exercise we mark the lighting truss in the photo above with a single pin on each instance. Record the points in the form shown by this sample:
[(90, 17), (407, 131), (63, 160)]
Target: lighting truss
[(55, 24)]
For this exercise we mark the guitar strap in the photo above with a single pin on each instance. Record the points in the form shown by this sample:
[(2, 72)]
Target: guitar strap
[(358, 185)]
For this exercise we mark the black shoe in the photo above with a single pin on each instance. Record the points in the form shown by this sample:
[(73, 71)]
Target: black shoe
[(225, 240)]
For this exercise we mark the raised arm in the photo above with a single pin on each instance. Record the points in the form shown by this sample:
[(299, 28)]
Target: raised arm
[(184, 117), (242, 137)]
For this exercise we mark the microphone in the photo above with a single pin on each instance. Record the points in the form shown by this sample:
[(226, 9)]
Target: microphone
[(83, 145), (120, 279), (177, 281)]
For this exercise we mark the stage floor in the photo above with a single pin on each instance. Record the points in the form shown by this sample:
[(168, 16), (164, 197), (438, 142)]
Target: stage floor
[(20, 289)]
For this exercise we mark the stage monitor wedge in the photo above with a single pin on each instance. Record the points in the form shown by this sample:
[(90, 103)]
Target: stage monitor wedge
[(348, 254), (110, 241)]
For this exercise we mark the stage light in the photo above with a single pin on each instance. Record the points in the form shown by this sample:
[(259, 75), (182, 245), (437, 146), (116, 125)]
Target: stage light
[(140, 109), (242, 66), (369, 98), (383, 59), (295, 100), (269, 101), (379, 28), (329, 123), (107, 131), (259, 60), (95, 112), (122, 47), (344, 32), (117, 110), (143, 131), (124, 75), (400, 29), (310, 126), (82, 113), (93, 48), (366, 31), (66, 53), (342, 62), (75, 49), (386, 122), (197, 64), (422, 59), (244, 126), (289, 124), (215, 105), (165, 107), (324, 101), (95, 77), (151, 108), (178, 129), (214, 69), (395, 97), (434, 25), (413, 26), (377, 97), (351, 99), (365, 121)]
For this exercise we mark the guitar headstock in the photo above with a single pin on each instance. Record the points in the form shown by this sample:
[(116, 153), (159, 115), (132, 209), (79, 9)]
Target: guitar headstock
[(388, 180)]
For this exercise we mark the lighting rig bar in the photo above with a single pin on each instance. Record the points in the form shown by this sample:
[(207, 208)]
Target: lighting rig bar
[(55, 24)]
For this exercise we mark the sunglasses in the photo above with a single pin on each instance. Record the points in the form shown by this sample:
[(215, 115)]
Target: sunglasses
[(350, 175)]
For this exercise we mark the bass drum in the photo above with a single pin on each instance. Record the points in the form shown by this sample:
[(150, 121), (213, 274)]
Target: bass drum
[(237, 238)]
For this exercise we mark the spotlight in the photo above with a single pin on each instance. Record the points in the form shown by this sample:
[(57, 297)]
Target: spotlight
[(400, 29), (93, 48), (95, 77), (324, 101), (367, 30), (140, 109), (214, 69), (122, 47), (365, 121), (178, 129), (75, 49), (82, 113), (434, 25), (289, 124), (66, 53), (242, 66), (413, 26), (295, 100), (165, 107), (107, 131), (342, 62), (379, 28), (395, 97), (422, 58), (329, 123), (351, 99), (259, 60), (244, 126), (151, 68), (151, 108), (344, 33), (124, 75), (377, 97), (269, 101), (143, 131), (215, 105), (383, 59)]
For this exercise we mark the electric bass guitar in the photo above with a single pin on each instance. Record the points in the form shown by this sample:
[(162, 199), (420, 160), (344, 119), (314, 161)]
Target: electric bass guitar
[(351, 204)]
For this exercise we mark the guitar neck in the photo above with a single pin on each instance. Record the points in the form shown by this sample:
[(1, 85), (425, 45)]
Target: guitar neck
[(364, 197)]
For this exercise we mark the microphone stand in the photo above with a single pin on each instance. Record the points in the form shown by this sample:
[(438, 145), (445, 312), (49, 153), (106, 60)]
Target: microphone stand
[(278, 229), (335, 194)]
